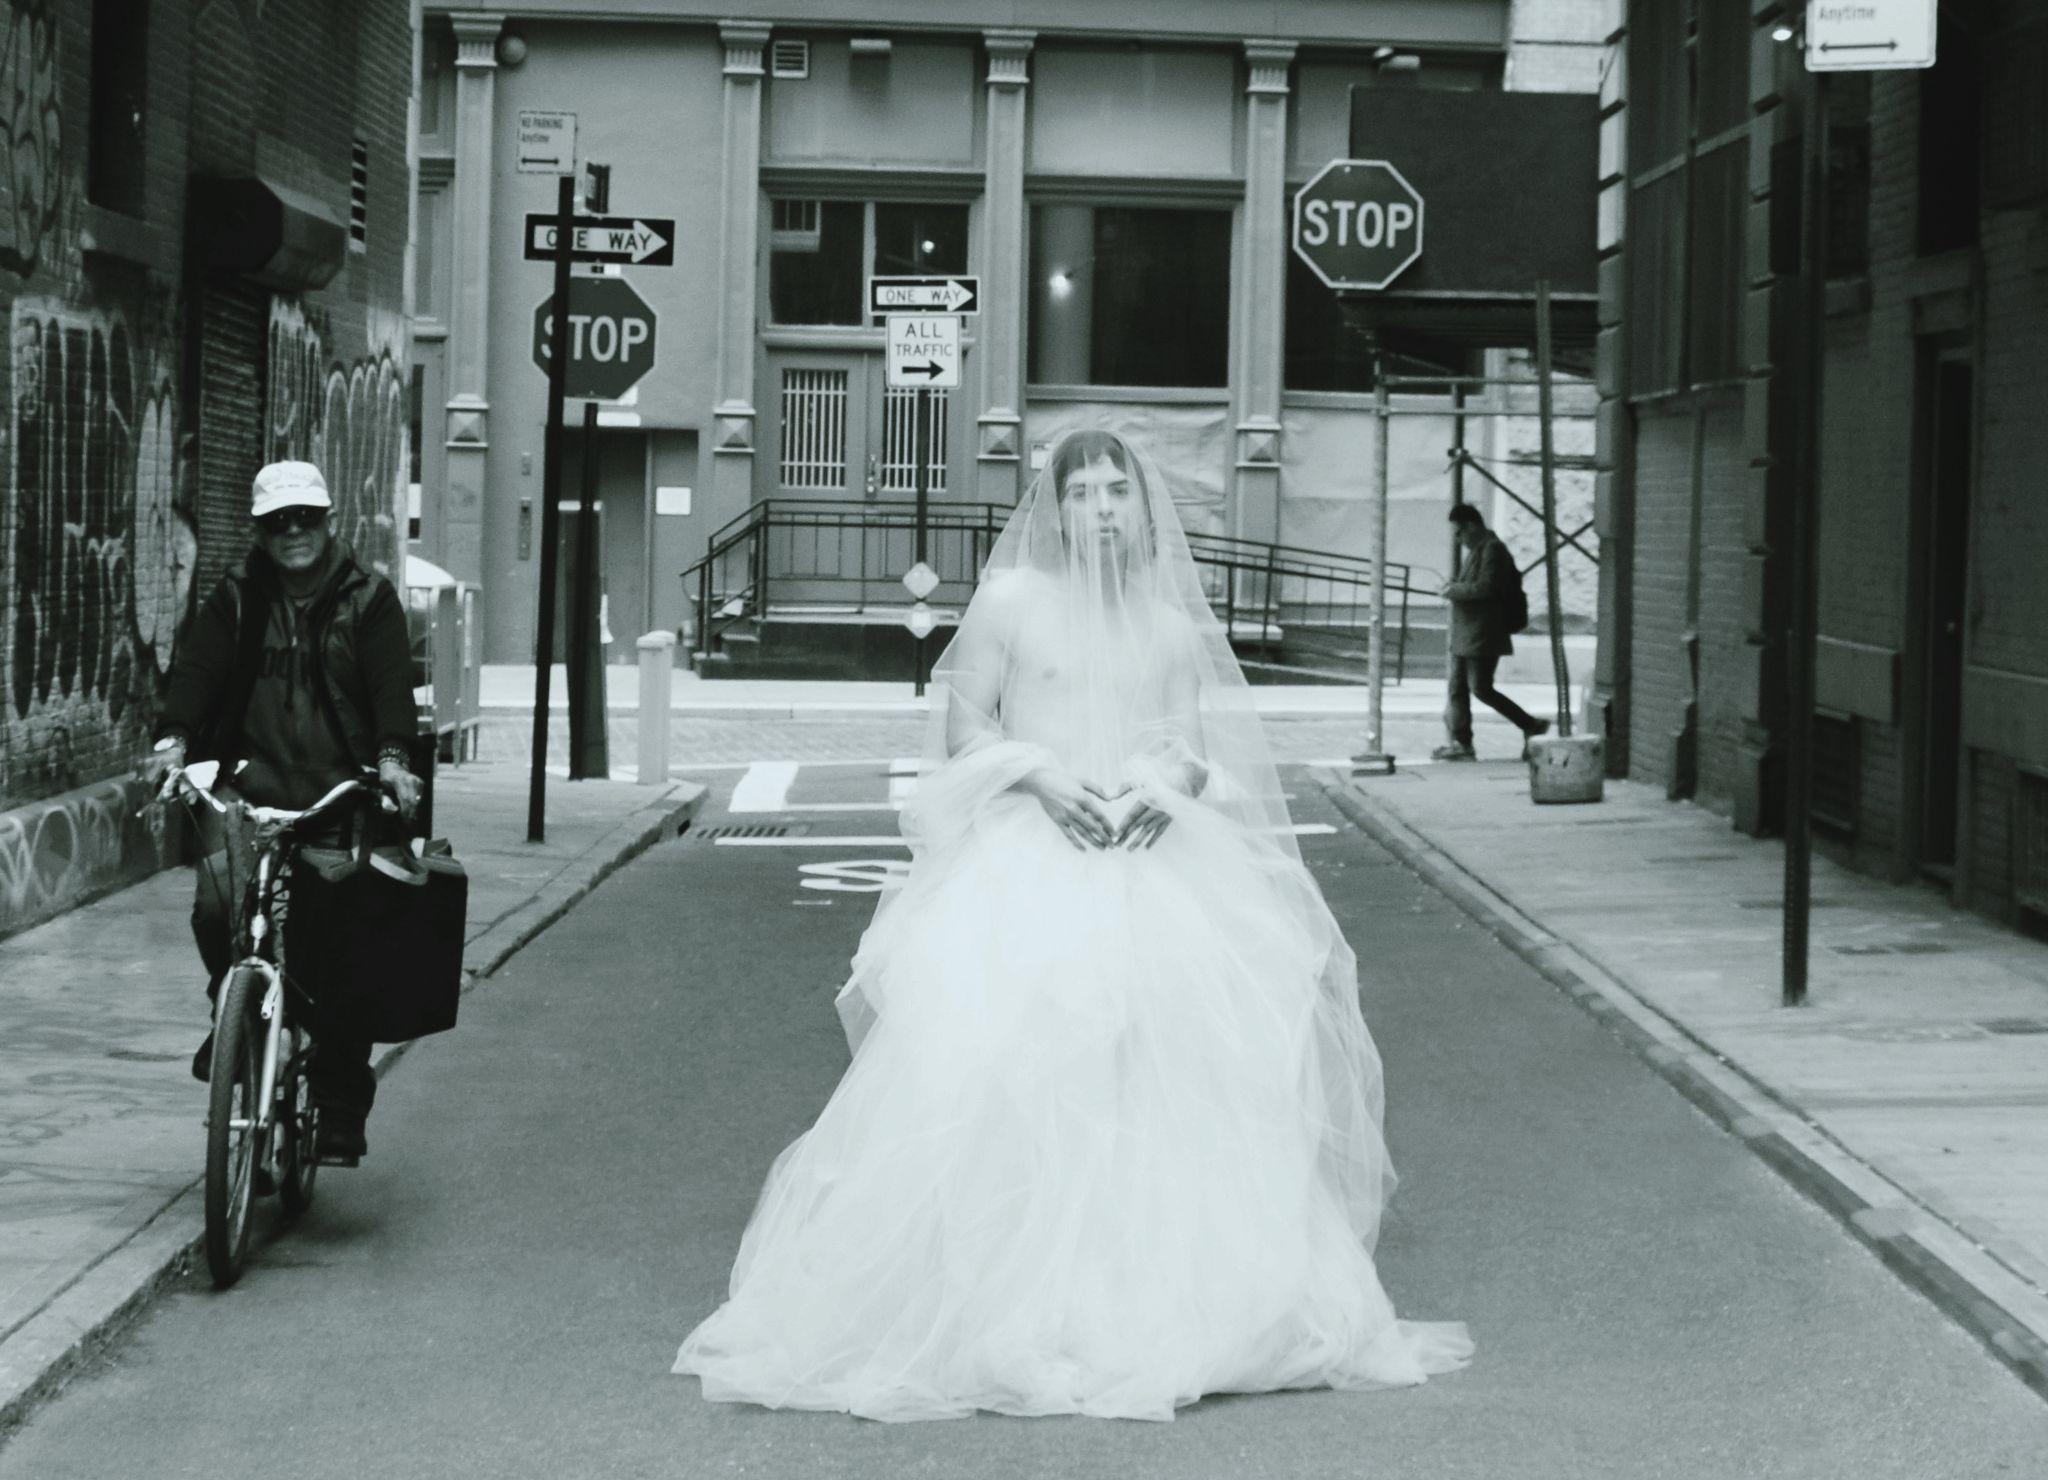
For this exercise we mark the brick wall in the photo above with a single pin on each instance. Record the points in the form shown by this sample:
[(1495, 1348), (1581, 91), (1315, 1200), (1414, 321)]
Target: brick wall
[(1661, 683), (141, 392)]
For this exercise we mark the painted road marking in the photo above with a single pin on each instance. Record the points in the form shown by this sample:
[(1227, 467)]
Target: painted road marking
[(765, 787), (856, 875)]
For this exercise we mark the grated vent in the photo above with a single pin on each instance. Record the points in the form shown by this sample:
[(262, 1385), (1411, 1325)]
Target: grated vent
[(741, 830), (790, 59)]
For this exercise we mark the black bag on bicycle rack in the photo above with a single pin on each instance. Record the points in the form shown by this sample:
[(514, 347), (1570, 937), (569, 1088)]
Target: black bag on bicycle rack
[(374, 938)]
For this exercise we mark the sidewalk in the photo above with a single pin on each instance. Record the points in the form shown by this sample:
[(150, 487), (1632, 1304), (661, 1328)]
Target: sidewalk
[(100, 1142), (1909, 1098), (507, 688)]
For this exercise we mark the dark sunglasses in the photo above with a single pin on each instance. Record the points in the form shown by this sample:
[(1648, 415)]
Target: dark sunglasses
[(284, 521)]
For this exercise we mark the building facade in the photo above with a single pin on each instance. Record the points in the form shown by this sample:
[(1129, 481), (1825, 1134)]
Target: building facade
[(1119, 180), (1932, 681), (203, 256)]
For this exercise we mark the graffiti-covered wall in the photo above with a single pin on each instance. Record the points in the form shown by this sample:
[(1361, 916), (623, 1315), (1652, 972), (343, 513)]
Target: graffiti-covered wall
[(128, 446)]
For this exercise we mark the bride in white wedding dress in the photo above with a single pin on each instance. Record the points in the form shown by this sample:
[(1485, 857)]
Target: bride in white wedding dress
[(1110, 1139)]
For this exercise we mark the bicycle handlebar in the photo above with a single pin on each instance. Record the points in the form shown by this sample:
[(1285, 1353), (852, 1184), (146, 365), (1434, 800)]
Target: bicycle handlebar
[(279, 817)]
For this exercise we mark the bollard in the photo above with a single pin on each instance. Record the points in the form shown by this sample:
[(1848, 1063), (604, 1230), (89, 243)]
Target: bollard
[(657, 669)]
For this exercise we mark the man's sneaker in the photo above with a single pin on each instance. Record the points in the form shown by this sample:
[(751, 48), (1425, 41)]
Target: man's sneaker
[(1453, 753), (202, 1061), (340, 1140)]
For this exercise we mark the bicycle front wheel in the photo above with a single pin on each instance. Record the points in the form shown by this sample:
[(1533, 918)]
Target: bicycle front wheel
[(232, 1113)]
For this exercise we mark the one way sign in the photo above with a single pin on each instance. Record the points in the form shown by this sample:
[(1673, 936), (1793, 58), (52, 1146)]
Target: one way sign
[(955, 294), (632, 241), (924, 350)]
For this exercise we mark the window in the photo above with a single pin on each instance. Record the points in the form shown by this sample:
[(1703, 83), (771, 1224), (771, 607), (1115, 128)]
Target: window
[(1126, 296), (1848, 242), (1951, 142), (2016, 117), (1688, 188), (120, 57), (821, 252), (359, 197)]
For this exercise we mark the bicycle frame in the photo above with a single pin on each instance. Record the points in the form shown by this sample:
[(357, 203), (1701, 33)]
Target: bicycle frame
[(276, 832)]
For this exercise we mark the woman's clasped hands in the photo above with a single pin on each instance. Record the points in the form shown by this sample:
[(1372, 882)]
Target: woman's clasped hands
[(1088, 817)]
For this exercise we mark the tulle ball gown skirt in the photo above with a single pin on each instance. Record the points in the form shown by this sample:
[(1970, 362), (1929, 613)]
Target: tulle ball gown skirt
[(1111, 1144)]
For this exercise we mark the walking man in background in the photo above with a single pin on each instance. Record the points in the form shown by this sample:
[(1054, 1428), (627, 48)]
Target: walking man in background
[(1486, 609)]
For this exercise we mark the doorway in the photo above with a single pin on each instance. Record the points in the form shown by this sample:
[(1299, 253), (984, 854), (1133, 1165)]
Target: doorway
[(839, 432), (620, 512), (1949, 401)]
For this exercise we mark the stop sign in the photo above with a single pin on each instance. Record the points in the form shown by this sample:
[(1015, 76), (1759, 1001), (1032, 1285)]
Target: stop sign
[(611, 338), (1358, 223)]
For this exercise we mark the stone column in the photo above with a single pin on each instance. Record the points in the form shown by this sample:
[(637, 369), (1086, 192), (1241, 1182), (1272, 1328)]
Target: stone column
[(469, 309), (1261, 293), (734, 416), (999, 439)]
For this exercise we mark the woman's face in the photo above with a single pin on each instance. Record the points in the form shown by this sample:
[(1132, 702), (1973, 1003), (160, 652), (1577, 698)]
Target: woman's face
[(1098, 502)]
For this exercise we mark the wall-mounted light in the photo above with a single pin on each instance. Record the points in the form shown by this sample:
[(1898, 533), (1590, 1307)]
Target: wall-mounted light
[(1061, 283), (1782, 33), (511, 50), (870, 48), (1405, 61)]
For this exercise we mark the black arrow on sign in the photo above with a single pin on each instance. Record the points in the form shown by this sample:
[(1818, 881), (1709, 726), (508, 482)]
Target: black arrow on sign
[(928, 370), (1859, 46)]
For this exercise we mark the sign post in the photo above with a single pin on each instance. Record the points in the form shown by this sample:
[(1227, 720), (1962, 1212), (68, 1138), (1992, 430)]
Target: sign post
[(550, 522), (1869, 36), (1358, 226), (922, 354)]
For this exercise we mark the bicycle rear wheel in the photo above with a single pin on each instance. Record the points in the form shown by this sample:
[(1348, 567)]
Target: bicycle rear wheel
[(232, 1113)]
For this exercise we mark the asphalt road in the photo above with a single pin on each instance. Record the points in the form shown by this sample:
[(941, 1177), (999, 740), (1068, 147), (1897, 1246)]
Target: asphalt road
[(555, 1191)]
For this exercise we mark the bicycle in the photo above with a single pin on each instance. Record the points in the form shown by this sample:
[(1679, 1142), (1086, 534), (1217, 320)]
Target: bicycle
[(262, 1125)]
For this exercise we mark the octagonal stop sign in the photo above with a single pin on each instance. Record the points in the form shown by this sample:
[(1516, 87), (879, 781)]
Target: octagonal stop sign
[(611, 338), (1358, 223)]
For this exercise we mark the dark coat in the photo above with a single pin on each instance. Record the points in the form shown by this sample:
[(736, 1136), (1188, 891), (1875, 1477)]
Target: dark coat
[(362, 670), (1479, 601)]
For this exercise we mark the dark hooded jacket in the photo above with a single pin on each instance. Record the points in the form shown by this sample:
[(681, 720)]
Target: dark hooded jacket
[(357, 669), (1479, 599)]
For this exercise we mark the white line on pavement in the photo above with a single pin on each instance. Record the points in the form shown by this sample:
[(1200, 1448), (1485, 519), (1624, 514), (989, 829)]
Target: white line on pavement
[(765, 787)]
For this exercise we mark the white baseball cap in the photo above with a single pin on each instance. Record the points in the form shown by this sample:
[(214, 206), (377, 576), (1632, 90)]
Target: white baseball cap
[(284, 485)]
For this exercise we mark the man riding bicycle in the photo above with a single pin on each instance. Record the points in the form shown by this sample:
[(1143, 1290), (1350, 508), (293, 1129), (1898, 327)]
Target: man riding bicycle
[(296, 675)]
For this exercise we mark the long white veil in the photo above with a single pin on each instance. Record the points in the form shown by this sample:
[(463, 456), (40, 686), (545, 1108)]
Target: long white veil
[(1090, 646)]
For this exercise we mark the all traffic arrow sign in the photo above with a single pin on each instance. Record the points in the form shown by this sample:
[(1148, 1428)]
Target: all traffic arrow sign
[(954, 294), (923, 350), (629, 241)]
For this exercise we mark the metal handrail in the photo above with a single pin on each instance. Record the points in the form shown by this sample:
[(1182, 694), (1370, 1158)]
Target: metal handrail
[(804, 542)]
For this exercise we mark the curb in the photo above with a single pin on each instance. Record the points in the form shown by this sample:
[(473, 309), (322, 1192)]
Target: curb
[(95, 1311), (1927, 1252)]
